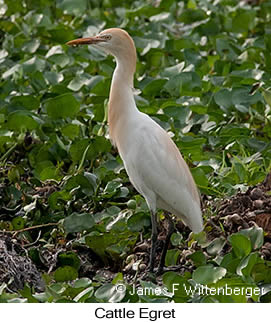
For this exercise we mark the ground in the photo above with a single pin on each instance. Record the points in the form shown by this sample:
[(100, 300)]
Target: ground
[(241, 211)]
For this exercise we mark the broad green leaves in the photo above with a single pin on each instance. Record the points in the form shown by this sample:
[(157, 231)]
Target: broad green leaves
[(255, 234), (62, 106), (216, 246), (240, 244), (246, 241), (71, 8), (178, 285), (78, 222), (65, 273), (28, 102), (110, 293), (22, 121), (208, 274), (243, 21)]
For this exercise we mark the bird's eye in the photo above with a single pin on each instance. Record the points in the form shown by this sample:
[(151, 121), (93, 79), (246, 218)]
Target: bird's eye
[(106, 37)]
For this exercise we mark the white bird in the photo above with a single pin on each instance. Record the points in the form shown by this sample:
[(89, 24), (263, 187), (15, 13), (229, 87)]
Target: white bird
[(152, 160)]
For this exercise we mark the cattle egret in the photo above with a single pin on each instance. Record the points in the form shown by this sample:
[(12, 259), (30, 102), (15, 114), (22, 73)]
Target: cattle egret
[(152, 160)]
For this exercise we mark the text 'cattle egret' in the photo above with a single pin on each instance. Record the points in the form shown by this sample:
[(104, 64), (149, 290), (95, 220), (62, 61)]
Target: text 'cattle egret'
[(152, 160)]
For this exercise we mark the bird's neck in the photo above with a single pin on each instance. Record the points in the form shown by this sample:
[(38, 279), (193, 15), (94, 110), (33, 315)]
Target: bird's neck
[(125, 68), (121, 99)]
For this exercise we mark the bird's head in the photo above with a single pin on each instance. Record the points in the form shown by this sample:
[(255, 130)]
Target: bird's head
[(114, 41)]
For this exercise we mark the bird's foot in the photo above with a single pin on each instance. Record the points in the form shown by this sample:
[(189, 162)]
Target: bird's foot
[(159, 270), (176, 268)]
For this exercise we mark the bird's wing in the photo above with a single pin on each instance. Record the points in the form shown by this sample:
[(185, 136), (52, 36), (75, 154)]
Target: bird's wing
[(157, 170)]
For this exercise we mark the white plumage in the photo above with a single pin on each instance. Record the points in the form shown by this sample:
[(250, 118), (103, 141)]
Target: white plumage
[(158, 171)]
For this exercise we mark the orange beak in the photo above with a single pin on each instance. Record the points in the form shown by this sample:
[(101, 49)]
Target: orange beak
[(85, 41)]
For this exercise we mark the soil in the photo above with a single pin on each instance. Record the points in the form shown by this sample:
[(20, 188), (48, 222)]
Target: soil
[(245, 210), (16, 268)]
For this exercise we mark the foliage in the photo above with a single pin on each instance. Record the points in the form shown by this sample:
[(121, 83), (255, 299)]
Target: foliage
[(204, 73)]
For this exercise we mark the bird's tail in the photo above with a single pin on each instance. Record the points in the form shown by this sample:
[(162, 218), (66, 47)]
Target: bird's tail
[(194, 221)]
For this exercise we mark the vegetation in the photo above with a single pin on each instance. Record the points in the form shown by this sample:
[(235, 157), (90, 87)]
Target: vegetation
[(204, 72)]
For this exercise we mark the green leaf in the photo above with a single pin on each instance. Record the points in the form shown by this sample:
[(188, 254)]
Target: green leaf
[(82, 283), (58, 199), (50, 172), (71, 131), (242, 96), (65, 273), (172, 257), (241, 244), (131, 204), (111, 245), (256, 236), (173, 70), (27, 293), (22, 121), (77, 222), (61, 34), (110, 293), (193, 147), (68, 259), (267, 96), (198, 258), (200, 177), (101, 145), (243, 21), (62, 106), (31, 46), (154, 87), (14, 174), (176, 239), (28, 102), (78, 148), (216, 246), (118, 278), (246, 265), (223, 98), (112, 188), (231, 290), (208, 274), (189, 16), (157, 293), (118, 223), (18, 223), (192, 57), (230, 262), (138, 221), (266, 298), (77, 82), (178, 285), (84, 295), (86, 182), (71, 8), (34, 64)]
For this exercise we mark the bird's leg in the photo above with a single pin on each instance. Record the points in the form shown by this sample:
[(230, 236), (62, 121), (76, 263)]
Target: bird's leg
[(153, 240), (171, 229)]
